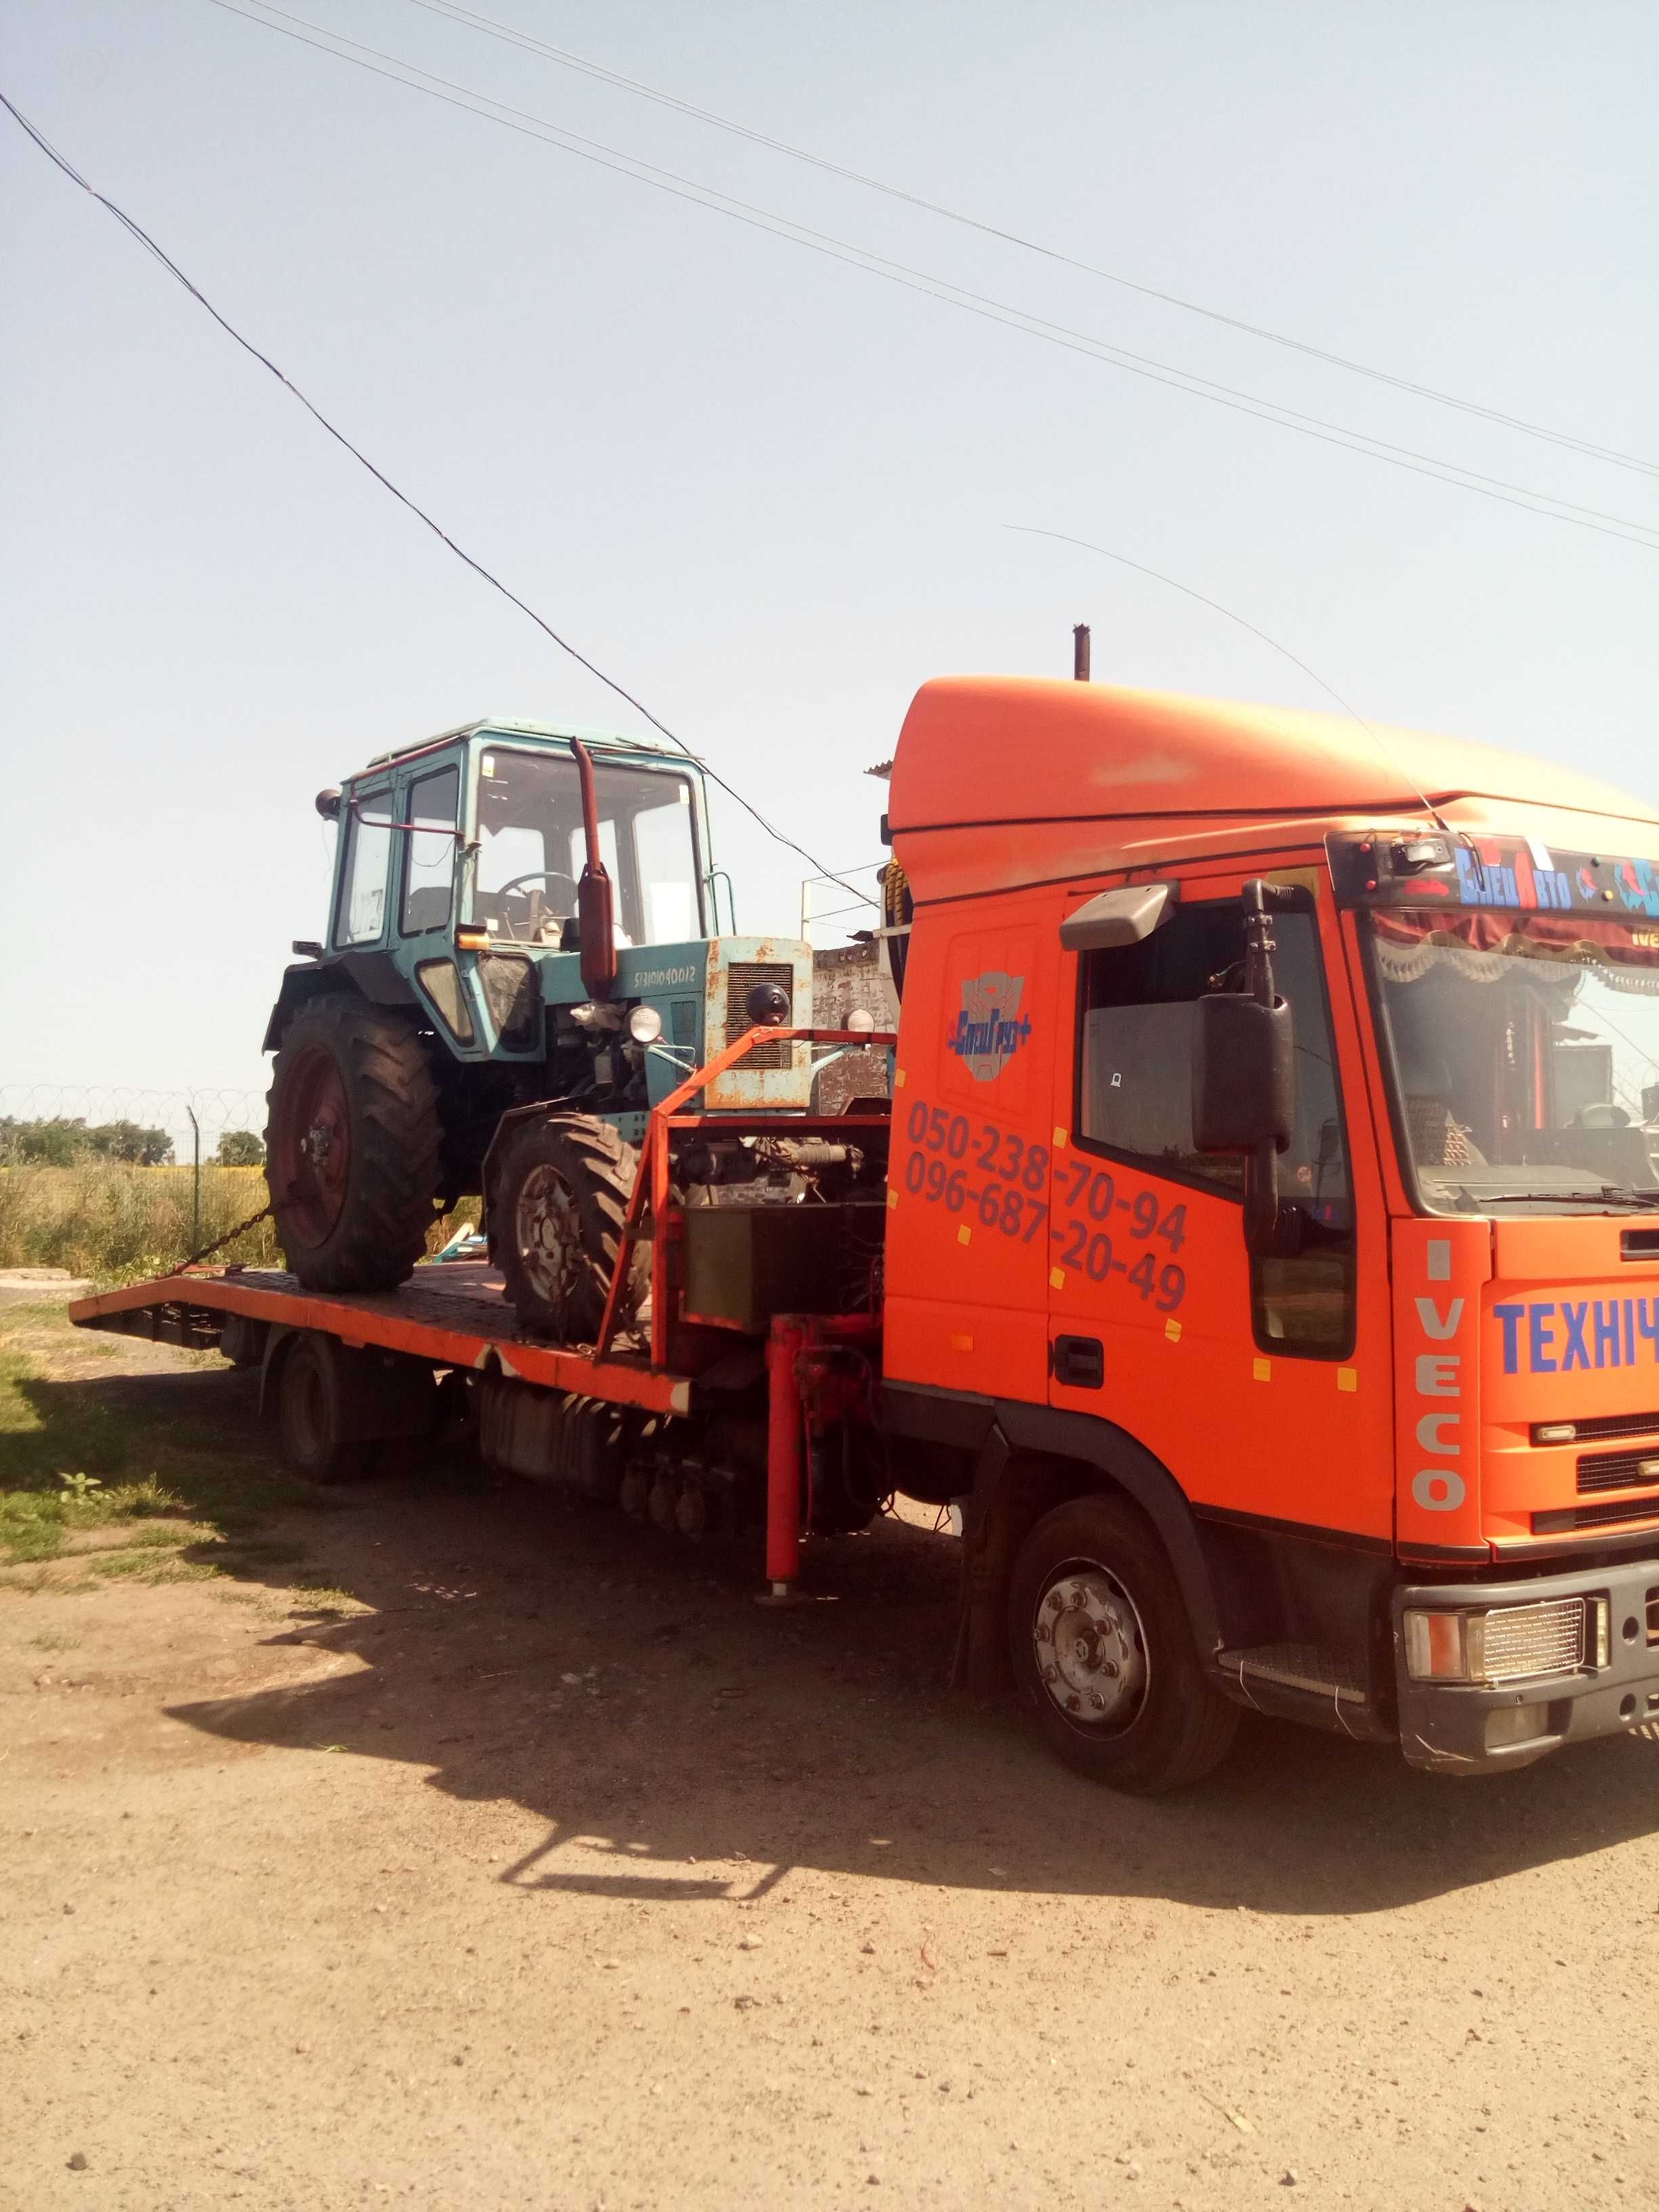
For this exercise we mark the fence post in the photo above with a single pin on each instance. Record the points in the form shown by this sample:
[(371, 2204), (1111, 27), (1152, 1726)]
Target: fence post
[(195, 1181)]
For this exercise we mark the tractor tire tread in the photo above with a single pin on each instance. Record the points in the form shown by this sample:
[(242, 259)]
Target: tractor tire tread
[(396, 1137), (606, 1165)]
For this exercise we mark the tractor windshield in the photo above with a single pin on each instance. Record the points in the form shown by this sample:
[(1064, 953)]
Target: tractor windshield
[(531, 852), (1526, 1054)]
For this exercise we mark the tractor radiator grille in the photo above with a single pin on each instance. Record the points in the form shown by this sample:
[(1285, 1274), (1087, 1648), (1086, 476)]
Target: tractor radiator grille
[(740, 980), (1625, 1470)]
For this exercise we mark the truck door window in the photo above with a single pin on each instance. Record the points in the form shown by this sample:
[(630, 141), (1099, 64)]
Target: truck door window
[(361, 916), (430, 856), (1135, 1070)]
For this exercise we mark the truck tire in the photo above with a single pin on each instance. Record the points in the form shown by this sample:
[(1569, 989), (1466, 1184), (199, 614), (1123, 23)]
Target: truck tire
[(557, 1205), (351, 1145), (1102, 1649), (312, 1410)]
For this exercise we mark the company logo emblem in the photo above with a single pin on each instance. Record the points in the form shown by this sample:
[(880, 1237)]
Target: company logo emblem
[(989, 1030)]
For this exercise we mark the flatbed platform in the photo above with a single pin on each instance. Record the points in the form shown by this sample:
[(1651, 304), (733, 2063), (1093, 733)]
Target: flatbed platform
[(450, 1312)]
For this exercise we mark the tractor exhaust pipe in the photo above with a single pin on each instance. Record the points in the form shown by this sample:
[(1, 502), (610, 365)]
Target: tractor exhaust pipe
[(1080, 651), (596, 906)]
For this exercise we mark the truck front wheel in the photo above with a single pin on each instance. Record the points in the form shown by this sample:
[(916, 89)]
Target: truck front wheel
[(351, 1146), (1102, 1649)]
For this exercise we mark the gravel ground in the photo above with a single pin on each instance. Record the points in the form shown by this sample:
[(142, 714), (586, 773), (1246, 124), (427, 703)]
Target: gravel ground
[(531, 1865)]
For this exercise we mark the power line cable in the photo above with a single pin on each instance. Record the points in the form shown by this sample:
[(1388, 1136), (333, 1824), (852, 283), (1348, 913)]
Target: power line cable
[(1030, 530), (136, 230), (491, 110), (470, 19)]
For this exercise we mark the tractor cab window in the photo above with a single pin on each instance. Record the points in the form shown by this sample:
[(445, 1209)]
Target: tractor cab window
[(531, 848), (429, 852), (1134, 1085), (360, 917)]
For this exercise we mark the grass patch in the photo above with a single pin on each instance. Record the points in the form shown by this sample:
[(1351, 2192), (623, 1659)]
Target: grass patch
[(150, 1568), (118, 1224), (165, 1465)]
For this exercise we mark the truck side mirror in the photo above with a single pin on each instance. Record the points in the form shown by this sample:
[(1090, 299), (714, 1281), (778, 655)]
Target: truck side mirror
[(1244, 1079), (1243, 1074)]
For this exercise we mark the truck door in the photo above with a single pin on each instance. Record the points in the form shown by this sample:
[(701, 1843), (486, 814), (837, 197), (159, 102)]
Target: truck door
[(1247, 1375)]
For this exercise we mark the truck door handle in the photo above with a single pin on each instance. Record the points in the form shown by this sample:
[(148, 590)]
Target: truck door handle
[(1079, 1362)]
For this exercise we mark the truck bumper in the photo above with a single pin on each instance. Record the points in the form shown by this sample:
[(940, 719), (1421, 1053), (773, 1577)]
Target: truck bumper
[(1469, 1727)]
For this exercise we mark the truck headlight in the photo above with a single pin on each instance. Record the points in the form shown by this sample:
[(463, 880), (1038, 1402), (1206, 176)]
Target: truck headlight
[(1506, 1643)]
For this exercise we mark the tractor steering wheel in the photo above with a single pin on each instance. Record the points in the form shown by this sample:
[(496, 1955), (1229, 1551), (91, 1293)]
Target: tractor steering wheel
[(549, 876)]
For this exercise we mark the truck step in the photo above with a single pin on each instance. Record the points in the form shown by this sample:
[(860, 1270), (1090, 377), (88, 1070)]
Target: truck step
[(1294, 1667)]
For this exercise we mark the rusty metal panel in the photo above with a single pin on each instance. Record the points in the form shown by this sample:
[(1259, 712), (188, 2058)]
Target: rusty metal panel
[(732, 964), (849, 979)]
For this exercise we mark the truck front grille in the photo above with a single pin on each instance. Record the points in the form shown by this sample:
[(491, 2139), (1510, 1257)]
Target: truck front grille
[(1625, 1470), (1601, 1428), (1561, 1522), (740, 980)]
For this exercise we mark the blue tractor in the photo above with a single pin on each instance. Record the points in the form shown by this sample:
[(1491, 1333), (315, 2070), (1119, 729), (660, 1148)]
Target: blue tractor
[(522, 958)]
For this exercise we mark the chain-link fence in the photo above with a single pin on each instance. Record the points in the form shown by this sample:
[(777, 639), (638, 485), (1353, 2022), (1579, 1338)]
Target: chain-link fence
[(113, 1179)]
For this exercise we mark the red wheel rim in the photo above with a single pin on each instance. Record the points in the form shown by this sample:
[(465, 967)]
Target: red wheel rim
[(313, 1148)]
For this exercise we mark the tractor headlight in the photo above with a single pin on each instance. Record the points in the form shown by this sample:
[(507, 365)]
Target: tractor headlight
[(645, 1025), (862, 1020)]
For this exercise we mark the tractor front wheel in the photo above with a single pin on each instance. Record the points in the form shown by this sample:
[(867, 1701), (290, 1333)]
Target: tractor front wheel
[(351, 1146), (556, 1203)]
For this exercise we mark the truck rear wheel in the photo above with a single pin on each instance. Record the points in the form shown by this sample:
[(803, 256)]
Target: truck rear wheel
[(1102, 1649), (556, 1204), (351, 1146), (312, 1410)]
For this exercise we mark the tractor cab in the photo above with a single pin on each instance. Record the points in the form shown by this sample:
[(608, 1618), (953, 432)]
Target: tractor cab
[(525, 917)]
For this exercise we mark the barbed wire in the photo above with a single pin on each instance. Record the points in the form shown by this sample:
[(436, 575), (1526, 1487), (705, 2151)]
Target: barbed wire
[(220, 1110)]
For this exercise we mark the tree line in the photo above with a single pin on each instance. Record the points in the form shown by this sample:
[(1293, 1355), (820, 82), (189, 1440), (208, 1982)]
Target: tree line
[(62, 1142)]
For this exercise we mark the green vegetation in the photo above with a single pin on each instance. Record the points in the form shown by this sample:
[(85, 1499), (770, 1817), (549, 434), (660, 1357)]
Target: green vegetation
[(118, 1223), (59, 1142), (115, 1223), (240, 1148), (150, 1480)]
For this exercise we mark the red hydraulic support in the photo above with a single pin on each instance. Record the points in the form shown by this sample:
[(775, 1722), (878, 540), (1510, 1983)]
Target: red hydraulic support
[(804, 1390), (783, 1442), (651, 1179)]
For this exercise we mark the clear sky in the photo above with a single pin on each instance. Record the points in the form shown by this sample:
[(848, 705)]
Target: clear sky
[(768, 491)]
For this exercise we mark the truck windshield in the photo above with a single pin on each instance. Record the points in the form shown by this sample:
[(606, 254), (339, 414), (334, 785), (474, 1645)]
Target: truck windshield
[(1526, 1050), (530, 848)]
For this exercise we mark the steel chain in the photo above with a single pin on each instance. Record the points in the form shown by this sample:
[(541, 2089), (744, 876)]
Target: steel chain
[(219, 1243)]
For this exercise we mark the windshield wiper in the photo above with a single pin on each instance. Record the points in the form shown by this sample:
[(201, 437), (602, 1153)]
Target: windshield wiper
[(1608, 1195)]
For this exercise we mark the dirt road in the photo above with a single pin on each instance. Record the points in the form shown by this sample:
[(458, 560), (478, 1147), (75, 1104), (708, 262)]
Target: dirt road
[(498, 1856)]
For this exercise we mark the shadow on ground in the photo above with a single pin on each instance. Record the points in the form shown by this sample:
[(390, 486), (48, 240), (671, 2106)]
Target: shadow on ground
[(681, 1742)]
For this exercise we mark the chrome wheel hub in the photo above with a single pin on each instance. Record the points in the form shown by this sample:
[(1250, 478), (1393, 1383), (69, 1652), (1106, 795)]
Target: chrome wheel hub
[(1090, 1649)]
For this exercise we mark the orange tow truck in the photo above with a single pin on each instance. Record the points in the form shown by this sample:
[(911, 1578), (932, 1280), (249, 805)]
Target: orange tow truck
[(1257, 1242)]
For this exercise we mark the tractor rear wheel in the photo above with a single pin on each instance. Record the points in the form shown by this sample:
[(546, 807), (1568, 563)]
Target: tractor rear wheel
[(556, 1204), (351, 1145)]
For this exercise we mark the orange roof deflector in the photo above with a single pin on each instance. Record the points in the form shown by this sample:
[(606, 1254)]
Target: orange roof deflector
[(996, 749)]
